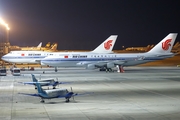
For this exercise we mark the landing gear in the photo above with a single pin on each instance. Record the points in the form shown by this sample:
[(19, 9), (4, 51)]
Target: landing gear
[(102, 69), (67, 99), (56, 69), (109, 70), (54, 87), (42, 100), (106, 69)]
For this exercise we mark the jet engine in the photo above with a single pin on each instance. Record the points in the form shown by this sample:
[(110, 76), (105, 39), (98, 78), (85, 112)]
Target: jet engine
[(110, 65), (42, 64), (91, 66)]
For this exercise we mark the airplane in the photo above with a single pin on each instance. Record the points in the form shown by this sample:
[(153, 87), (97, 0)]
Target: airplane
[(108, 61), (36, 56), (13, 48), (51, 48), (54, 93), (47, 82), (32, 48), (144, 49)]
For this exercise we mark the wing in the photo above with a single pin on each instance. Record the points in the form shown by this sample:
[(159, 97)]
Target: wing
[(33, 83), (112, 63), (69, 95), (29, 83), (36, 95), (57, 83), (86, 93)]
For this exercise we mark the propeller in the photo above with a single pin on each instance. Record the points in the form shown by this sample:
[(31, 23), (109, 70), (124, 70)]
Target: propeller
[(72, 92), (57, 81)]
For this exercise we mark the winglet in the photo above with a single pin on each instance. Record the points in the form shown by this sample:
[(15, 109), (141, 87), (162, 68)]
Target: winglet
[(165, 46), (107, 45)]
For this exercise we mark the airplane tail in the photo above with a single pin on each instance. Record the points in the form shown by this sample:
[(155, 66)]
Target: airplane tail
[(107, 45), (39, 88), (40, 44), (48, 45), (54, 47), (34, 78), (165, 46)]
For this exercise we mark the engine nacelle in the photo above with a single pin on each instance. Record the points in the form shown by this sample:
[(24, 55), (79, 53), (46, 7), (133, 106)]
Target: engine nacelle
[(91, 66), (42, 64), (82, 63), (110, 65)]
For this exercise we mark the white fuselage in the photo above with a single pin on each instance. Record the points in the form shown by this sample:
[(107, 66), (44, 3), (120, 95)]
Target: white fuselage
[(56, 93), (47, 82), (25, 56), (37, 56), (31, 56), (74, 60)]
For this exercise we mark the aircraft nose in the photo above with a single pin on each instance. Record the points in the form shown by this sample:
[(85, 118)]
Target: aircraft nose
[(4, 58)]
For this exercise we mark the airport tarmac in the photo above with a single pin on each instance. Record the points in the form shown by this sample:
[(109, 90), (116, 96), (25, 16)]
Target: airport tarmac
[(141, 93)]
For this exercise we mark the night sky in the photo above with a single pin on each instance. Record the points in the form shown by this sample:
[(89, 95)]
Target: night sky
[(84, 24)]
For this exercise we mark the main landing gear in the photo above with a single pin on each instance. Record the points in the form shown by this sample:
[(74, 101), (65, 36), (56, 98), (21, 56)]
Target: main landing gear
[(42, 100), (106, 69), (120, 69), (109, 70), (67, 99), (56, 69)]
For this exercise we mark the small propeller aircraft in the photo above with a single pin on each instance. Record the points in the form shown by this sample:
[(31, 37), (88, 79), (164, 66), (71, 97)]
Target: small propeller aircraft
[(48, 82), (53, 93)]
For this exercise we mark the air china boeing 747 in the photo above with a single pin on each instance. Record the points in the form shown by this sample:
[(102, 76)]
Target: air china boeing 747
[(37, 56), (91, 61)]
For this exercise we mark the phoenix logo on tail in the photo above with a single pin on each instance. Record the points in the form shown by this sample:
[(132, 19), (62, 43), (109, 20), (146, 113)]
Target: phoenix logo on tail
[(108, 44), (166, 44)]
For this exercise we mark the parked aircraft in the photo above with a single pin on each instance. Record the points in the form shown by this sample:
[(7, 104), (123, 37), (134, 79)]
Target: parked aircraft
[(15, 48), (36, 56), (91, 61), (144, 49), (45, 82), (176, 48), (54, 93), (51, 48)]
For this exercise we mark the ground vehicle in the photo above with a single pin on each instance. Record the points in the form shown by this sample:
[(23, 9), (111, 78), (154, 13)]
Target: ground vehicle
[(16, 71), (3, 72)]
